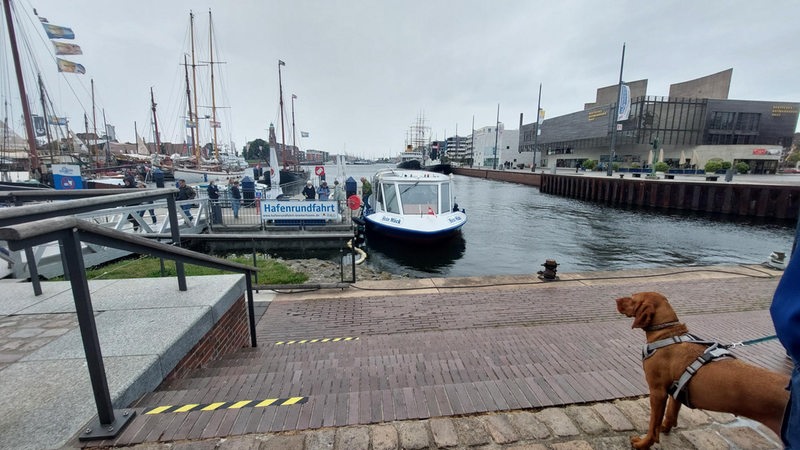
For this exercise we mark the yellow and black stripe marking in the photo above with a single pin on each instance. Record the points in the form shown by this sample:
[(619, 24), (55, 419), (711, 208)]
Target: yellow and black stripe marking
[(316, 341), (227, 405)]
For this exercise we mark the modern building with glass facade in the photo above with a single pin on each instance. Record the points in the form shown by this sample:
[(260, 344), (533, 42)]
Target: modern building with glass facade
[(694, 124)]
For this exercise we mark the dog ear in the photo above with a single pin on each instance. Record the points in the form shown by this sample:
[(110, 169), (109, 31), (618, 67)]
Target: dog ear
[(644, 313)]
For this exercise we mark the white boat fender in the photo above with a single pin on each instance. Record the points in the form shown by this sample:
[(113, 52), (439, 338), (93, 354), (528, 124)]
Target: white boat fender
[(362, 254)]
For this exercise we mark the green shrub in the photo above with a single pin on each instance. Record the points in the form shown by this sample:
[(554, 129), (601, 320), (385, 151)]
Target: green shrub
[(615, 167), (726, 165), (742, 167), (713, 166), (636, 165), (589, 164), (661, 166)]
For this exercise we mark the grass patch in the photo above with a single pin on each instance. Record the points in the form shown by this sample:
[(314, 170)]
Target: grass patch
[(269, 271)]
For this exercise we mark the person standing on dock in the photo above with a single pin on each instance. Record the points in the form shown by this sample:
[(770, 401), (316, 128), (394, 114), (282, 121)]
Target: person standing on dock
[(324, 191), (185, 193), (338, 194), (309, 192), (236, 199), (213, 198), (366, 191)]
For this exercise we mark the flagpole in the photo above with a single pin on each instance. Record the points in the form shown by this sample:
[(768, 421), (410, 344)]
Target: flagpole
[(609, 170), (536, 131), (472, 144)]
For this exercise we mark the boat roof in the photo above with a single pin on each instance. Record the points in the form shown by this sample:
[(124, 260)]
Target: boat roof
[(410, 175)]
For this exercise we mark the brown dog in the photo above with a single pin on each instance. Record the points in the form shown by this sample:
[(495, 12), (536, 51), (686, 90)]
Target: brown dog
[(727, 385)]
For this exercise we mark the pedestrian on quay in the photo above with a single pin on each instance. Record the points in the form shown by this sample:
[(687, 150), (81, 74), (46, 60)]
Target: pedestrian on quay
[(338, 193), (309, 192), (185, 192), (130, 183), (236, 199), (785, 311), (213, 199), (324, 191), (366, 191), (140, 184)]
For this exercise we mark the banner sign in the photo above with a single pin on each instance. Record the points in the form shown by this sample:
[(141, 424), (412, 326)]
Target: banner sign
[(299, 210), (66, 176)]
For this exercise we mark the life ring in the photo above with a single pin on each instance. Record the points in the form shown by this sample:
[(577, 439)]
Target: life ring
[(354, 202), (319, 171)]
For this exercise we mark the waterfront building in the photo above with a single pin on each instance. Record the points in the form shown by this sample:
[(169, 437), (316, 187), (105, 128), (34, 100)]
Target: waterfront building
[(457, 148), (483, 146), (694, 124)]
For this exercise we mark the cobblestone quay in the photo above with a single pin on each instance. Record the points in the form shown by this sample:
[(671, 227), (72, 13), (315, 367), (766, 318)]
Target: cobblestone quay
[(469, 363)]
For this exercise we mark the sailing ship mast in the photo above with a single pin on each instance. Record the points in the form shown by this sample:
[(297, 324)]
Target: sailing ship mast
[(194, 88), (294, 133), (155, 122), (36, 164), (214, 124), (192, 124), (44, 113), (283, 134)]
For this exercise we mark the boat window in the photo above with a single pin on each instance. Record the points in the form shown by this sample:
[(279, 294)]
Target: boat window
[(390, 198), (417, 198), (444, 193)]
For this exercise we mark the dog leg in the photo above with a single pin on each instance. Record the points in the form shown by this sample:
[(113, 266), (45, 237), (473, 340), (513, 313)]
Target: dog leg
[(671, 418), (658, 402)]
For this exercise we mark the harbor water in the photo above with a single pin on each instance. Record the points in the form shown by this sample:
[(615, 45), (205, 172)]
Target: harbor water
[(513, 229)]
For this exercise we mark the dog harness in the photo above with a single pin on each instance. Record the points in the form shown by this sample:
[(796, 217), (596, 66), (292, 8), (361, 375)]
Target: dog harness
[(713, 352)]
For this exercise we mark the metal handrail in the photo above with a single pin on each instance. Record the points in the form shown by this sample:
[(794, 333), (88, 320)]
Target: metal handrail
[(71, 231)]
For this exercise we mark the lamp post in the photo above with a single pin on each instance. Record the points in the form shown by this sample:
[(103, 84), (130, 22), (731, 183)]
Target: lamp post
[(536, 131), (609, 170)]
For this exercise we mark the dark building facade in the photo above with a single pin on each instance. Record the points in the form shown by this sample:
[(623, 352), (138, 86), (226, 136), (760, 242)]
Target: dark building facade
[(692, 130)]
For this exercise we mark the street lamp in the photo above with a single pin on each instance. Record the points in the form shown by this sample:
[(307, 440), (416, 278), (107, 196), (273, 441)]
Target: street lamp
[(610, 170)]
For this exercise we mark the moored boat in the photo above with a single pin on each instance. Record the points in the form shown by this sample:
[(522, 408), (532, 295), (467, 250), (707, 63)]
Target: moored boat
[(414, 206)]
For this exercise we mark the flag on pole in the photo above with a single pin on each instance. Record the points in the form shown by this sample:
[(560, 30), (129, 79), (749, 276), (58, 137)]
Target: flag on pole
[(281, 63), (62, 48), (294, 96), (274, 170), (57, 32), (38, 125), (541, 114), (304, 134), (214, 124), (55, 120), (191, 123), (69, 66), (624, 105)]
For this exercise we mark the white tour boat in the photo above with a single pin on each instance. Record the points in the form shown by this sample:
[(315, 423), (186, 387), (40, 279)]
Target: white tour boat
[(413, 205)]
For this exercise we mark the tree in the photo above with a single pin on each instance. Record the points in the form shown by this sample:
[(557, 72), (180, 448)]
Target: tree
[(257, 150)]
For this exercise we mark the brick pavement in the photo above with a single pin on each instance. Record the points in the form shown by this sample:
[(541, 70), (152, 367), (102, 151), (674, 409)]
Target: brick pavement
[(540, 366)]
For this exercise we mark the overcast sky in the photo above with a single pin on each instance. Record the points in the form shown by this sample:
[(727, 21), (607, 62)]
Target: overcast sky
[(364, 71)]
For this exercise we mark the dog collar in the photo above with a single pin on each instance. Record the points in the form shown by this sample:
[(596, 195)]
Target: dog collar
[(661, 326)]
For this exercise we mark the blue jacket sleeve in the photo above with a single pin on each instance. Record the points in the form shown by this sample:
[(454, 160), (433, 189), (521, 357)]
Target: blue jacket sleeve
[(785, 309)]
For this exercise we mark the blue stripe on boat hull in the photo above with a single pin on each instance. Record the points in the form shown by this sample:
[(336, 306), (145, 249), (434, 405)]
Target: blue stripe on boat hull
[(413, 235)]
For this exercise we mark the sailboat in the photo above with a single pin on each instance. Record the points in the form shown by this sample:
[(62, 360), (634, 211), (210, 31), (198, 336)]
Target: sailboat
[(413, 158), (223, 165), (292, 177)]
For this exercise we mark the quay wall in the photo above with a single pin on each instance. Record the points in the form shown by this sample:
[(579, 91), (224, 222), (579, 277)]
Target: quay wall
[(769, 201), (527, 178)]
